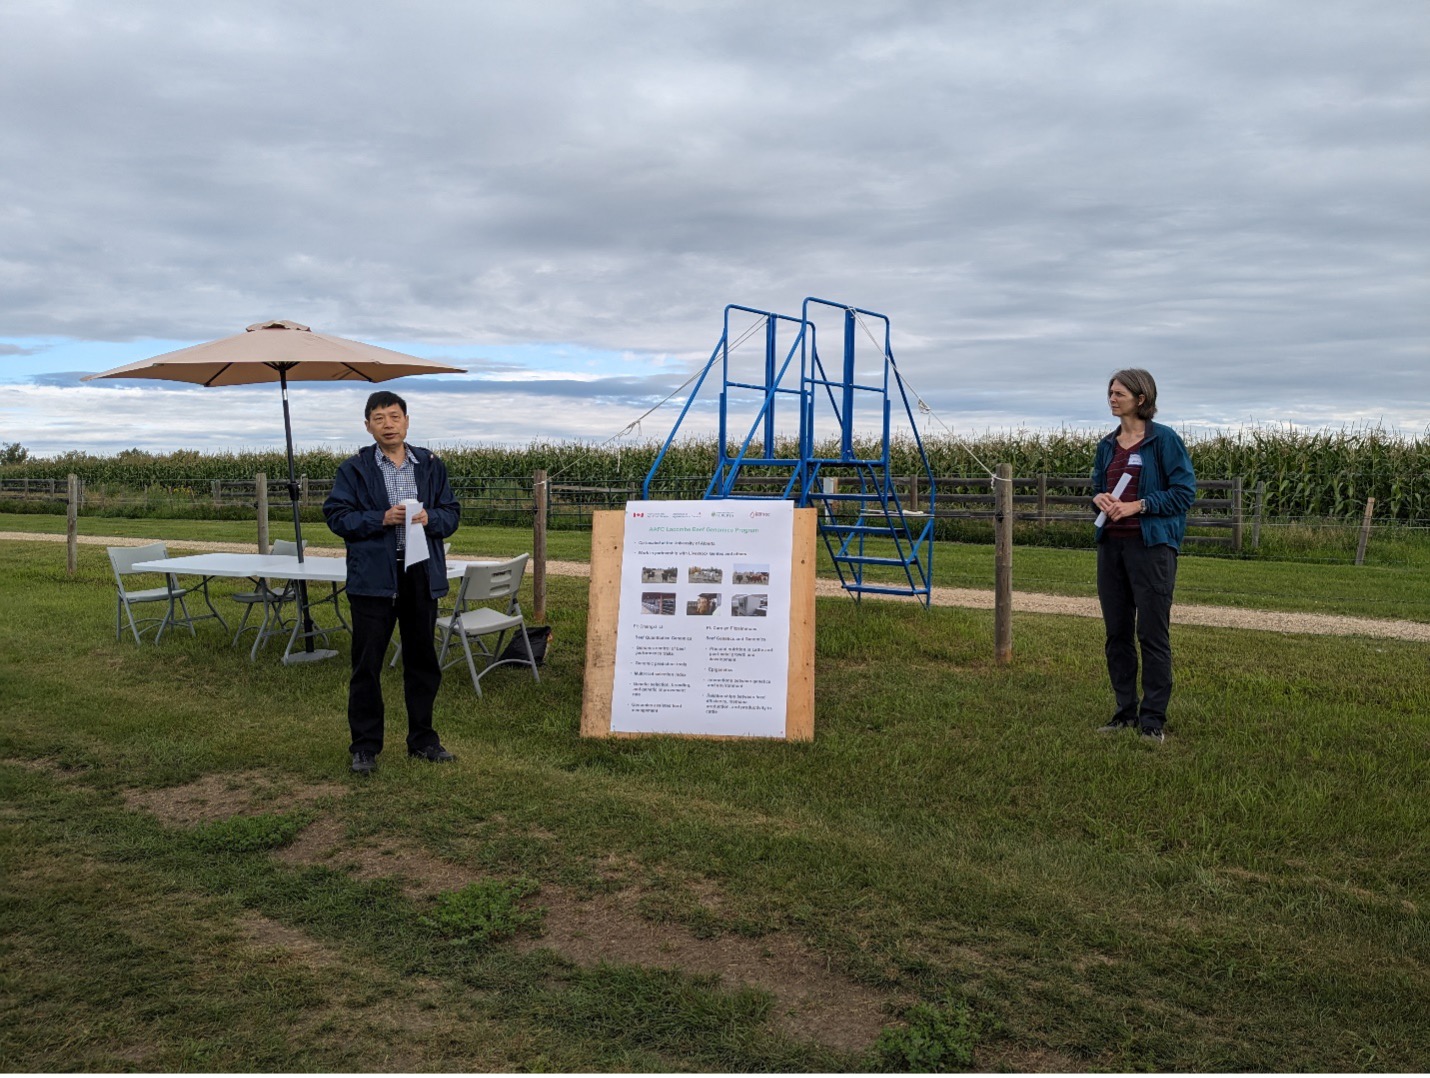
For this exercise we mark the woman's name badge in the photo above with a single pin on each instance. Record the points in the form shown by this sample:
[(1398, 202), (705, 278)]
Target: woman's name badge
[(1134, 460)]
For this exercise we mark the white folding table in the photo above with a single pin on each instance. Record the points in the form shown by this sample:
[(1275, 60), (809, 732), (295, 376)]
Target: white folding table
[(315, 569)]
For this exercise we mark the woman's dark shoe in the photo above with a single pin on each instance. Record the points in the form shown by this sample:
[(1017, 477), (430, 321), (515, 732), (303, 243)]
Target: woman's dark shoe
[(433, 754), (1115, 725), (364, 763)]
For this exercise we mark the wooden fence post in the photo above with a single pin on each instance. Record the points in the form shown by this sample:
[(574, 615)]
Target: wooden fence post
[(260, 490), (72, 526), (1236, 514), (538, 546), (1043, 499), (1364, 531), (216, 489), (1003, 565), (1256, 520), (303, 489)]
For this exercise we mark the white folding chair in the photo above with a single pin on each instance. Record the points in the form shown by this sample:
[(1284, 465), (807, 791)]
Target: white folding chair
[(470, 620), (271, 599), (122, 560)]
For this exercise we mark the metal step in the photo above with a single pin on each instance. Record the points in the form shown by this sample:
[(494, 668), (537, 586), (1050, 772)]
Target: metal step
[(874, 590), (884, 530), (869, 559)]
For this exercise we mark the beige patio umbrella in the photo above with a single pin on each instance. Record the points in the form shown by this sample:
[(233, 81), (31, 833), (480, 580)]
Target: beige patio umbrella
[(280, 352)]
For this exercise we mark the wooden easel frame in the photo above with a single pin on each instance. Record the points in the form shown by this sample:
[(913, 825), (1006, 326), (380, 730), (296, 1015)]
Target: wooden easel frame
[(608, 529)]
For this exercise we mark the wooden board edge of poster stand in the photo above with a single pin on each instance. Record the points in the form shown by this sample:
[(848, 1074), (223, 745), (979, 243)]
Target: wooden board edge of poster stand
[(608, 528), (799, 705), (608, 533)]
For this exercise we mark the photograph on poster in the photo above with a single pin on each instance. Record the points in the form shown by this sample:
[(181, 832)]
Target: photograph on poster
[(705, 574), (658, 575), (705, 605), (657, 602), (750, 573), (749, 606)]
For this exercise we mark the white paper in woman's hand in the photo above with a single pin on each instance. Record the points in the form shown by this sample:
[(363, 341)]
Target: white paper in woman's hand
[(1116, 493)]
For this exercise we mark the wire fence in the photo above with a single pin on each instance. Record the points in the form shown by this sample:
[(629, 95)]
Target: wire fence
[(1228, 516)]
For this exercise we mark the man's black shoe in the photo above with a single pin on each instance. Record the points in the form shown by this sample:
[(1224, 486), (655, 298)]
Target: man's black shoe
[(433, 754), (1115, 725), (364, 763), (1149, 733)]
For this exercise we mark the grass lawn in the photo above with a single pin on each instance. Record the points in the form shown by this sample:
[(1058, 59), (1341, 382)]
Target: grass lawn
[(1318, 588), (190, 880)]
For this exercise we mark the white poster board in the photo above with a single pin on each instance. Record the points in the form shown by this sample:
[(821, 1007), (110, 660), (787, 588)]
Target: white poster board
[(703, 623)]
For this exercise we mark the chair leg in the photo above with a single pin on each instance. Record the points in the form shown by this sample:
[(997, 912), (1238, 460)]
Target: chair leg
[(530, 656), (213, 610), (133, 625), (272, 626), (471, 665), (243, 625), (189, 618), (165, 621), (260, 637), (338, 609)]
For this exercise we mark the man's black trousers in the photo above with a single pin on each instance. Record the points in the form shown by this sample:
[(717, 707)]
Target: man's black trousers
[(414, 612), (1134, 584)]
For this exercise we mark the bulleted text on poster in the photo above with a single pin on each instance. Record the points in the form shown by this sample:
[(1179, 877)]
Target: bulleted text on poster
[(702, 640)]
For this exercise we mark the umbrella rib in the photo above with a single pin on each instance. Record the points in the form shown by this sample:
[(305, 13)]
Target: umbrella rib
[(218, 373), (359, 373)]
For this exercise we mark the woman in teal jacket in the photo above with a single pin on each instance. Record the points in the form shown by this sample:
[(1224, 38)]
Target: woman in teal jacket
[(1142, 485)]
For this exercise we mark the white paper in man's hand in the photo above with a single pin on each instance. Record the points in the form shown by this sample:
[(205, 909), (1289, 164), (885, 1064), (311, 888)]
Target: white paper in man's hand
[(416, 535), (1116, 493)]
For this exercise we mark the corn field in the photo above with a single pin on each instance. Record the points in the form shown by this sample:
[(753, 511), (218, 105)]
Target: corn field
[(1318, 474)]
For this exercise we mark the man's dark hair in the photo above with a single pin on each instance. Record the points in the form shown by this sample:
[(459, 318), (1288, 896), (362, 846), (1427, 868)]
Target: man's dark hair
[(383, 398)]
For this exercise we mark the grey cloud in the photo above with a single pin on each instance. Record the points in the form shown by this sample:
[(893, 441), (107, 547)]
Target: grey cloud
[(1034, 192)]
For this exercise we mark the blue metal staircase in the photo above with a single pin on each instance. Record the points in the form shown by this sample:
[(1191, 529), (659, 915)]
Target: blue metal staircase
[(877, 543)]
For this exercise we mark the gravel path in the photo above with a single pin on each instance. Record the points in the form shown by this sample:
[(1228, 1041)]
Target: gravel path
[(1225, 617)]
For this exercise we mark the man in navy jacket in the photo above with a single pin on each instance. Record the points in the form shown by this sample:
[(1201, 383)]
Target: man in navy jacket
[(366, 508)]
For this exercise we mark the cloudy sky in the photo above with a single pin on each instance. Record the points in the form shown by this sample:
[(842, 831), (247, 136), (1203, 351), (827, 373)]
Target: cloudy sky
[(563, 195)]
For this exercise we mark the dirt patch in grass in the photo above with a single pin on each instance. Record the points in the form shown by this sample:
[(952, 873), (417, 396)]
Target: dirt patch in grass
[(326, 842), (219, 797), (1017, 1059), (813, 1003), (49, 766), (265, 934), (409, 1022)]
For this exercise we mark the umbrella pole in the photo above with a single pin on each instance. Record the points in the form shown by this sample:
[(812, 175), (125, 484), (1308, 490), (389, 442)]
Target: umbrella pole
[(293, 488), (308, 654)]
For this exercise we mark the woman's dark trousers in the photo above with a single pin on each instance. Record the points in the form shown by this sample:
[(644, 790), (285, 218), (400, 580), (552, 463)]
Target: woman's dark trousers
[(414, 612), (1134, 585)]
